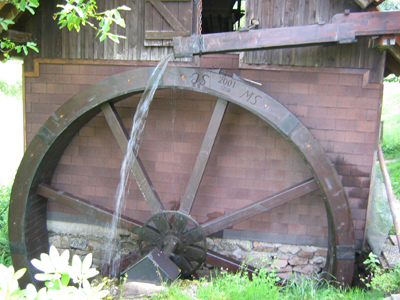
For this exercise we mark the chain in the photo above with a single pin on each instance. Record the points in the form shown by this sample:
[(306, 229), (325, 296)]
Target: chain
[(199, 14)]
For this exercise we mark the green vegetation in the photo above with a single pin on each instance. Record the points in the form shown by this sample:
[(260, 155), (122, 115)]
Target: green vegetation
[(13, 90), (394, 172), (74, 14), (391, 120), (5, 256), (390, 5), (226, 286), (57, 274)]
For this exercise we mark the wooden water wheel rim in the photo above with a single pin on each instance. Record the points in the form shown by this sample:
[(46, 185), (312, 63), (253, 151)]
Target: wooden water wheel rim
[(27, 218)]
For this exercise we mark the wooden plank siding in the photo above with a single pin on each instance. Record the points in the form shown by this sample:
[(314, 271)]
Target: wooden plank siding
[(286, 13), (55, 43)]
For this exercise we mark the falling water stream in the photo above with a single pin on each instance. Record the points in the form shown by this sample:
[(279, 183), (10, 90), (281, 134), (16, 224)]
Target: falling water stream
[(139, 121)]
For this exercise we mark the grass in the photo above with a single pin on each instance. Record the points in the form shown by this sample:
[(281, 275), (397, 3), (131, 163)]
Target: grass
[(391, 119), (228, 286), (5, 256), (394, 171)]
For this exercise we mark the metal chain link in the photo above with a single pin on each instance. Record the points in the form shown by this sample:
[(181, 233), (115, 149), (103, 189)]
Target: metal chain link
[(199, 14)]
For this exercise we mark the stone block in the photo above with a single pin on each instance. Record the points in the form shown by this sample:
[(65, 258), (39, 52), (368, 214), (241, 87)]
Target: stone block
[(286, 269), (210, 243), (245, 245), (305, 254), (78, 243), (318, 260), (309, 248), (307, 269), (285, 276), (55, 241), (224, 245), (129, 247), (264, 247), (286, 256), (297, 261), (321, 252), (281, 263), (290, 249), (133, 289)]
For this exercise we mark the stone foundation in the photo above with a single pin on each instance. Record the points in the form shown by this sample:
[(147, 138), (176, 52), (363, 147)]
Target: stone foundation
[(81, 239), (284, 259)]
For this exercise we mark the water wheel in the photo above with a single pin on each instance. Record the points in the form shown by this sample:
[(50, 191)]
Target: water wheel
[(166, 228)]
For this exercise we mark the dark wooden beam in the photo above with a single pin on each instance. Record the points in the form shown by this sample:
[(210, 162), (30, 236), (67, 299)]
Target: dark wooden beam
[(17, 36), (85, 206), (203, 156), (260, 206), (343, 29), (371, 23)]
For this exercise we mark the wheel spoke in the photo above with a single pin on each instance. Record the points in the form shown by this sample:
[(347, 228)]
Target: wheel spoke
[(183, 264), (193, 236), (224, 262), (86, 206), (260, 206), (194, 253), (152, 236), (203, 156), (140, 174)]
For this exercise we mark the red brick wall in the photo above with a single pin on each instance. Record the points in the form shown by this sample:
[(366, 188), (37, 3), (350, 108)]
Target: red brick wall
[(250, 160)]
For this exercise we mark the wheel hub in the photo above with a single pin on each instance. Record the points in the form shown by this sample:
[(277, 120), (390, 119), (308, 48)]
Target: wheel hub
[(178, 236)]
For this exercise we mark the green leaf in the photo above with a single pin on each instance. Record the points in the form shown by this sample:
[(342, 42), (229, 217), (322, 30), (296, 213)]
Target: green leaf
[(114, 38), (65, 279), (22, 5), (34, 3), (80, 12), (30, 10), (17, 275), (32, 45), (4, 25)]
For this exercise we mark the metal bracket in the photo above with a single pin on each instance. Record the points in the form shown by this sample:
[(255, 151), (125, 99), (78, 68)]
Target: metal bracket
[(347, 252)]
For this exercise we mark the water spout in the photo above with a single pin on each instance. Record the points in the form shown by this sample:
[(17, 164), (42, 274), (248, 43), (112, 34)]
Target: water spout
[(139, 121)]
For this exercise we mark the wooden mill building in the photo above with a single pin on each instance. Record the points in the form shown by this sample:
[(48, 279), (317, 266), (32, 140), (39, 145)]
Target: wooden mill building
[(299, 123)]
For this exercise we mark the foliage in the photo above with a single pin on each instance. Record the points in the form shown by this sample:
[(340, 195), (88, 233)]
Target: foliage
[(391, 78), (391, 120), (381, 280), (6, 46), (13, 90), (5, 255), (394, 173), (225, 286), (73, 14), (390, 5), (57, 275), (9, 283), (77, 12)]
